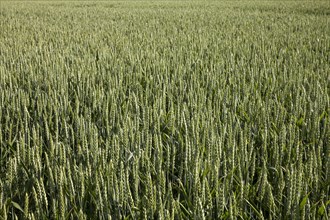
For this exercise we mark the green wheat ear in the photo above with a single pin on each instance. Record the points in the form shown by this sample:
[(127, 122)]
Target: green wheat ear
[(26, 206)]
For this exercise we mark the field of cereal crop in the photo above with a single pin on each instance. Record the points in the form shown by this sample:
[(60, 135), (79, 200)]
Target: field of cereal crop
[(164, 110)]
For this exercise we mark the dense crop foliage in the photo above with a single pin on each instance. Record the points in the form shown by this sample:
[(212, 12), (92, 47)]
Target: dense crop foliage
[(164, 110)]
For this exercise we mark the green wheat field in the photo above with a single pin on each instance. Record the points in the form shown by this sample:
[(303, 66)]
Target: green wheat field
[(165, 110)]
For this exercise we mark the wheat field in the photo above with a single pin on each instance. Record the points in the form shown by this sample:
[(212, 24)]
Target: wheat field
[(164, 110)]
